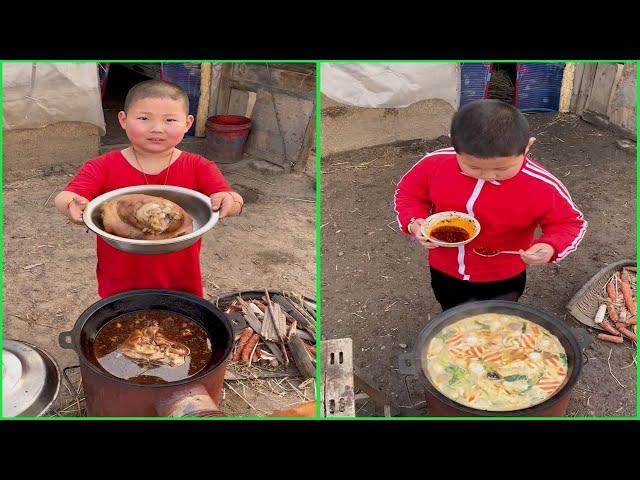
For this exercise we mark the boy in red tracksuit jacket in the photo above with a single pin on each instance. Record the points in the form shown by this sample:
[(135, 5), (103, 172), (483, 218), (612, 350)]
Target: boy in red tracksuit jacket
[(488, 175)]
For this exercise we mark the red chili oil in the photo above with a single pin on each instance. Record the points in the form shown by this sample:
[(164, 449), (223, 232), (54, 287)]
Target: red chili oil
[(486, 251), (449, 234)]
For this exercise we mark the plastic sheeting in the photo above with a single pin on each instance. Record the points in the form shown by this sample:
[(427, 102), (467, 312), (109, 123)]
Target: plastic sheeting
[(39, 94), (391, 85)]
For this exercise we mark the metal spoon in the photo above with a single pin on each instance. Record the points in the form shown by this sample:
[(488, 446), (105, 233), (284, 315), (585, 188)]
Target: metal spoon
[(498, 252)]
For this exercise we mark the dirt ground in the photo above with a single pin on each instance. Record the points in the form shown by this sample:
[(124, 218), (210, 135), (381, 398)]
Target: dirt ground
[(272, 245), (375, 282)]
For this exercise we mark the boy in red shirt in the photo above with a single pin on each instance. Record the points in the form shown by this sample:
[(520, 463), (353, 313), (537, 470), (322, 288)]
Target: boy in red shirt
[(488, 175), (155, 118)]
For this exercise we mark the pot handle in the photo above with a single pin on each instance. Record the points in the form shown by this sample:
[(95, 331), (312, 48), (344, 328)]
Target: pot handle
[(65, 340), (406, 365), (582, 336)]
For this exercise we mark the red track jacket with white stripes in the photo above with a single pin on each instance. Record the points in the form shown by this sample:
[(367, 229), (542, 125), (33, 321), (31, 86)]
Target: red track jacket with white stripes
[(508, 211)]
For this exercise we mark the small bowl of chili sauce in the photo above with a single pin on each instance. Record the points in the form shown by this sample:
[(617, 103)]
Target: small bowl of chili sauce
[(450, 229)]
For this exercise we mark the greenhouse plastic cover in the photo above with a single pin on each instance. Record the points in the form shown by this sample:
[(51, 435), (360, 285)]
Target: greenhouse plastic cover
[(390, 85), (39, 94)]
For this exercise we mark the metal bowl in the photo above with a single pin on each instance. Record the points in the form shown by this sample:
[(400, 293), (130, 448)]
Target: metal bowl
[(196, 204)]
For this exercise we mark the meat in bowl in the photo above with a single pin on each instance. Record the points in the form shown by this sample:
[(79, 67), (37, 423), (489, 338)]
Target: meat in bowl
[(144, 217)]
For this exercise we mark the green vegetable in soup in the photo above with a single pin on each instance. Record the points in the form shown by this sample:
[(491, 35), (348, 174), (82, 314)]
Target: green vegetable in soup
[(456, 373), (515, 378)]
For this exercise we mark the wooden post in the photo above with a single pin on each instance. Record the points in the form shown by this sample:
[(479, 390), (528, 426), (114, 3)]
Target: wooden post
[(577, 84), (203, 102), (585, 86), (567, 87), (600, 94), (224, 93)]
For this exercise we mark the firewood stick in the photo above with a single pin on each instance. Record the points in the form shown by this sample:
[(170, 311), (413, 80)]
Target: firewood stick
[(282, 347), (290, 310), (301, 357)]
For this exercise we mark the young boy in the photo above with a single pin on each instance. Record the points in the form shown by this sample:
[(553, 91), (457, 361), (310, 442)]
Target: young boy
[(155, 118), (488, 175)]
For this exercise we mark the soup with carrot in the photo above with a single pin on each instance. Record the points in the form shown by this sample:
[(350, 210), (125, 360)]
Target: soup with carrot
[(495, 362)]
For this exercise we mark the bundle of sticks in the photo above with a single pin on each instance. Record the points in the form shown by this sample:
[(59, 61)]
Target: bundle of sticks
[(280, 330), (617, 313)]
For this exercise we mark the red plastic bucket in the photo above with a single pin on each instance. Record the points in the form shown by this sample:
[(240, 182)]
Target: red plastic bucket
[(226, 137)]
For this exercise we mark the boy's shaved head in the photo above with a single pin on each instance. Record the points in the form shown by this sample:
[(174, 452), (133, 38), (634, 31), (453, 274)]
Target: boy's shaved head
[(489, 128), (156, 89)]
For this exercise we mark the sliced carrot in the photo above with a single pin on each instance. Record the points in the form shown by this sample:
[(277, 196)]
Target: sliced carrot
[(455, 340), (248, 348), (613, 296), (474, 352), (625, 288), (625, 331), (611, 291), (242, 341), (609, 327), (610, 338), (528, 341)]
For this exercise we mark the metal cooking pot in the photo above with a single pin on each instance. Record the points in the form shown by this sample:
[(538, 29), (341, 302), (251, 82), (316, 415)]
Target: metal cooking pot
[(107, 395), (196, 204), (573, 340)]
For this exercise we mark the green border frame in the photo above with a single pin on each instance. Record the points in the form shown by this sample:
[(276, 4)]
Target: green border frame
[(427, 418)]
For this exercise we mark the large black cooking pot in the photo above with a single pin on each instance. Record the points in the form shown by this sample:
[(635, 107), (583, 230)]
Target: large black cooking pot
[(574, 340), (107, 395)]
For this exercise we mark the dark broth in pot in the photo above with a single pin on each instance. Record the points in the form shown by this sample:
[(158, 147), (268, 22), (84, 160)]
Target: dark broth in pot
[(152, 347)]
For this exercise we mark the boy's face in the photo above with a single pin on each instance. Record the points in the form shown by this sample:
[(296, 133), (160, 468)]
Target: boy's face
[(156, 124), (496, 168)]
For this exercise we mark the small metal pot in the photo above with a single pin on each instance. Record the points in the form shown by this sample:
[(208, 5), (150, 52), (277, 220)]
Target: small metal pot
[(30, 380), (107, 395), (196, 204), (573, 340)]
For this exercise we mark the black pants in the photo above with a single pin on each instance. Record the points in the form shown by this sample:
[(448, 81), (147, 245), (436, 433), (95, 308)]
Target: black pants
[(450, 291)]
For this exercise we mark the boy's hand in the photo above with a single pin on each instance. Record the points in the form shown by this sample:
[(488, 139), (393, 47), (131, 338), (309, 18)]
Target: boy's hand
[(227, 203), (537, 254), (76, 207), (416, 230)]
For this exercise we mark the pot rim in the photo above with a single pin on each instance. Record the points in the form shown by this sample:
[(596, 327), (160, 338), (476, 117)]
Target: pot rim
[(90, 311), (452, 315)]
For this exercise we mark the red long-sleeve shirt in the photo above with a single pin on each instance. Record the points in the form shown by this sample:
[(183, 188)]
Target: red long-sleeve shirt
[(119, 271), (508, 211)]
